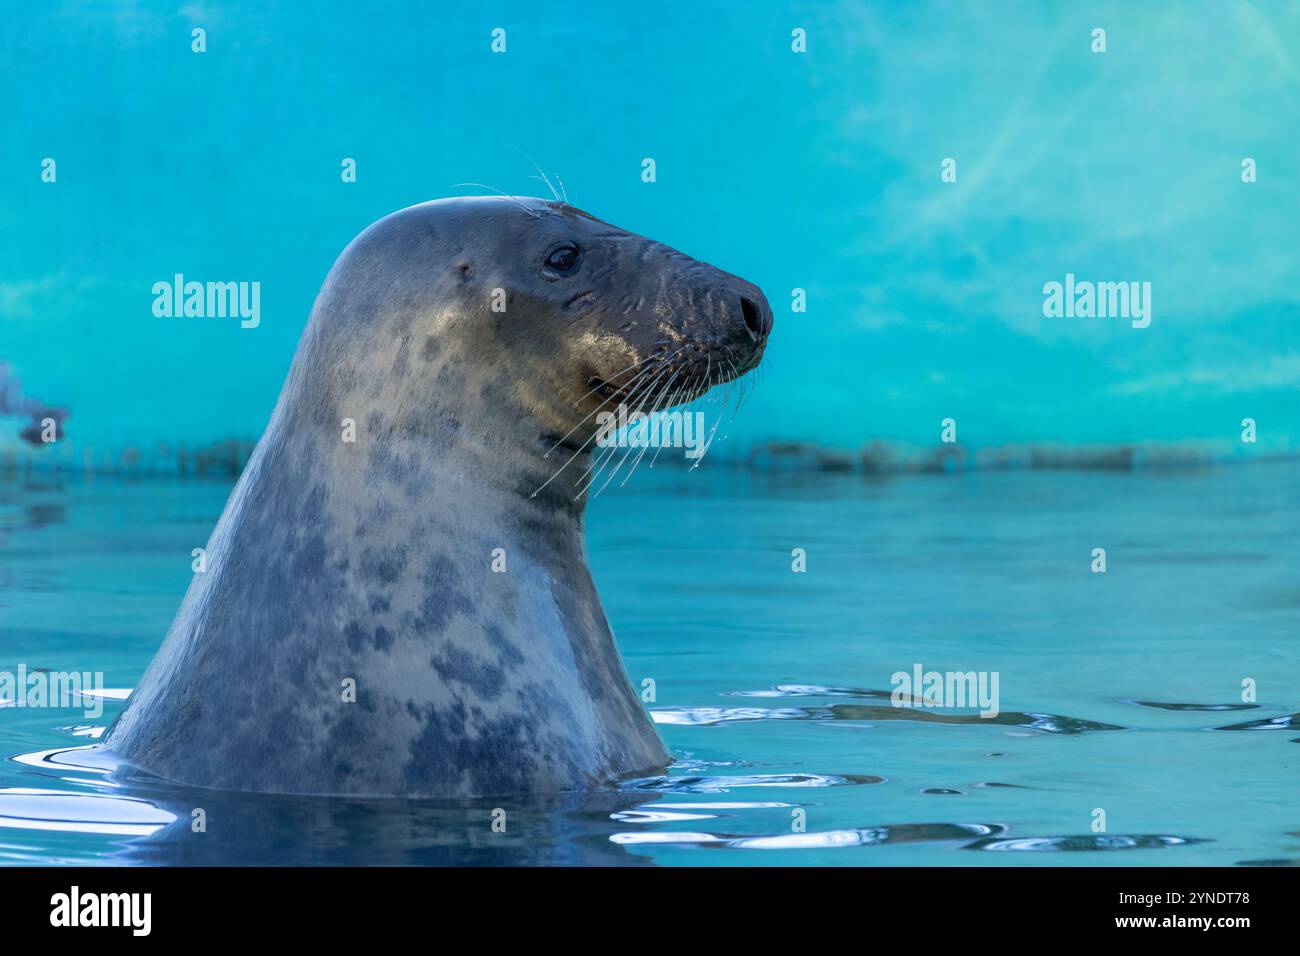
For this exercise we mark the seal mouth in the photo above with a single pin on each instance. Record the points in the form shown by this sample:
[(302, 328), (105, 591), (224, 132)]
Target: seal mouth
[(607, 389), (669, 377)]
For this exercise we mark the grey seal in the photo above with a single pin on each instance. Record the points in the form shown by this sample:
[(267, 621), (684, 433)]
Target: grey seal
[(350, 634)]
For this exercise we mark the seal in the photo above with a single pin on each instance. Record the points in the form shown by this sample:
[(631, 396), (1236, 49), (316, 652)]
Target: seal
[(396, 600)]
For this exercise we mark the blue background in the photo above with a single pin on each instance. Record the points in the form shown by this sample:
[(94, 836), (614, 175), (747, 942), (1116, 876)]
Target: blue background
[(818, 171)]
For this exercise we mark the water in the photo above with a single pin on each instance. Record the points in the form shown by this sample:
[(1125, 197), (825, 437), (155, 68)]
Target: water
[(772, 687), (818, 171)]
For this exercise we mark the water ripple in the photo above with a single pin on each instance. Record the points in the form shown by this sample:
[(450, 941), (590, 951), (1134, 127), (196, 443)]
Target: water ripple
[(665, 784), (1281, 861), (713, 716), (1195, 707), (1084, 843), (824, 839), (107, 693), (1285, 722), (658, 816), (90, 758), (30, 809), (811, 690)]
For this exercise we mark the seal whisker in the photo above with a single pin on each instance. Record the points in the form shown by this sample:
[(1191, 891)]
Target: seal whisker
[(738, 396), (654, 407), (602, 462), (501, 192), (603, 458), (745, 383), (716, 422), (581, 447), (675, 398), (616, 374), (747, 391), (640, 396), (542, 175), (672, 400), (594, 411), (605, 455), (622, 461), (543, 179), (739, 390)]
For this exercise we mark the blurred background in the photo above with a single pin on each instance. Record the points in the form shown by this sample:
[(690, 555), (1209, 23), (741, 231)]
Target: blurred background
[(818, 171)]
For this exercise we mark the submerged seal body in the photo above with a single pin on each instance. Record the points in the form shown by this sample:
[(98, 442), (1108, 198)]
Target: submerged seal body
[(390, 604)]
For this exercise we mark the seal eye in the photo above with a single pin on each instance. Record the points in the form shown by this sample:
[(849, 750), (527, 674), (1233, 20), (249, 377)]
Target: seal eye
[(563, 259)]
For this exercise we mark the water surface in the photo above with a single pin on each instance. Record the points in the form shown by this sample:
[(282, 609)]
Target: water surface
[(1119, 691)]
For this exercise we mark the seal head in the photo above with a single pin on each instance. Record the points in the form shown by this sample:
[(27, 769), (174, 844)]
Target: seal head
[(396, 598)]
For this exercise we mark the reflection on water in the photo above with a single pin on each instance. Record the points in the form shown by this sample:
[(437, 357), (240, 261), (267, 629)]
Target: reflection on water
[(724, 784), (1203, 707), (1286, 722), (709, 716), (1072, 844), (859, 836), (770, 685), (30, 809)]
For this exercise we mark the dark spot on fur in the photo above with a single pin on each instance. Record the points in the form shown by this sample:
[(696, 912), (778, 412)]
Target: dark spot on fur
[(309, 556), (358, 638), (496, 755), (384, 463), (457, 665), (511, 656), (451, 378), (402, 361), (348, 735), (443, 595), (383, 564)]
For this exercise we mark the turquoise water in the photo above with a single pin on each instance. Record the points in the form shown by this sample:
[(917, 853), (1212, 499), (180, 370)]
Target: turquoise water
[(771, 686)]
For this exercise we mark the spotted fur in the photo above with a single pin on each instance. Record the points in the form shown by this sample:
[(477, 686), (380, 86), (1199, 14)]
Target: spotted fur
[(371, 560)]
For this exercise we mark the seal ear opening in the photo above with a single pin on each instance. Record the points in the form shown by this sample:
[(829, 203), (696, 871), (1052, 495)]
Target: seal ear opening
[(466, 271)]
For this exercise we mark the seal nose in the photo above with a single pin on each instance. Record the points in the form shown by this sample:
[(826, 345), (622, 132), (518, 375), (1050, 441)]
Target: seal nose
[(753, 318), (755, 313)]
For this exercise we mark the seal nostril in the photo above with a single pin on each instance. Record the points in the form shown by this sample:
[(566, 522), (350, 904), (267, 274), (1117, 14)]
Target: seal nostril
[(753, 321)]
